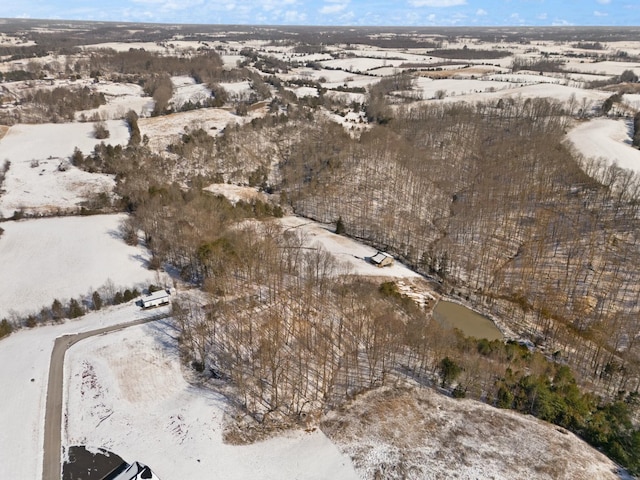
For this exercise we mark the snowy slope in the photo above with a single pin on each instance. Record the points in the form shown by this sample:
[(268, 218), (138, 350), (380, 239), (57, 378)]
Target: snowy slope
[(65, 257), (127, 393), (34, 182), (608, 139)]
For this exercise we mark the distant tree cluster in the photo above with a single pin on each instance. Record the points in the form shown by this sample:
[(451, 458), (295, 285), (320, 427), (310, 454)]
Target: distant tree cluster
[(60, 103), (466, 53), (589, 45), (537, 64), (636, 132)]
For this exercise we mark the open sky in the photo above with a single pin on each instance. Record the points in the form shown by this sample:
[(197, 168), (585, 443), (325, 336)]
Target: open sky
[(336, 12)]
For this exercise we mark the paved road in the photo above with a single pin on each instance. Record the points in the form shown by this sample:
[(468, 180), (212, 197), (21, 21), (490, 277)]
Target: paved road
[(52, 459)]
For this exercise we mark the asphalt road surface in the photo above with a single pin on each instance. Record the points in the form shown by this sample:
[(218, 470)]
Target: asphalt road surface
[(52, 458)]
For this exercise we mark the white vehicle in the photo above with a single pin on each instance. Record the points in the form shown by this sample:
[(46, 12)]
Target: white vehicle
[(155, 299)]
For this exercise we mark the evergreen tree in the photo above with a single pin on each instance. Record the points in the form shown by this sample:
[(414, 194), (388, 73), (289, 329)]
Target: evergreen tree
[(75, 309), (97, 301)]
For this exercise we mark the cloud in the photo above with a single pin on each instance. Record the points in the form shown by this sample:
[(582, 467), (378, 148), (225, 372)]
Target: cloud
[(481, 12), (269, 5), (604, 2), (596, 13), (332, 9), (295, 17), (437, 3)]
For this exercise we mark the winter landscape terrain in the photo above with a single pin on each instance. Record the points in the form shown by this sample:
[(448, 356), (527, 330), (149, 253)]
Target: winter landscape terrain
[(255, 174)]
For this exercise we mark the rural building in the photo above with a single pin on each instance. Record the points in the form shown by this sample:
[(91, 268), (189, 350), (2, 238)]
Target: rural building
[(161, 297), (382, 259), (136, 471)]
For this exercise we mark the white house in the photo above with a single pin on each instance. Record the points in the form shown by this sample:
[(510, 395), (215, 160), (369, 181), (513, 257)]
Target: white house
[(161, 297)]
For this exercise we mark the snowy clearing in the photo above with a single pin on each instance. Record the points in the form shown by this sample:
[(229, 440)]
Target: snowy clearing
[(24, 369), (134, 401), (34, 182), (64, 257), (186, 89), (120, 97), (608, 139), (168, 128), (350, 252)]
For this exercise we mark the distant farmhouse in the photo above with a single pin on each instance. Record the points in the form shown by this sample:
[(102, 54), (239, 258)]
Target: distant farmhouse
[(382, 259)]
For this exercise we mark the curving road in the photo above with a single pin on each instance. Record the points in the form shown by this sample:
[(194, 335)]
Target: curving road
[(52, 452)]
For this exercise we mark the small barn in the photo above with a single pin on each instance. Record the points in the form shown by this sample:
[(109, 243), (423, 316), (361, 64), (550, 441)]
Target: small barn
[(382, 259), (155, 299)]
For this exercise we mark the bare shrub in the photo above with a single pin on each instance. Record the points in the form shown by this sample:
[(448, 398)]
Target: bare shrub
[(100, 130)]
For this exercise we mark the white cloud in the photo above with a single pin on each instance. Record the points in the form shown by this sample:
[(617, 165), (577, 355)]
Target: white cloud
[(295, 17), (437, 3), (604, 2), (331, 9), (269, 5), (481, 12), (596, 13), (542, 16)]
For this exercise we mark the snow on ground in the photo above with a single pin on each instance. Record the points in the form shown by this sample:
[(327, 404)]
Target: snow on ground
[(133, 400), (358, 64), (525, 78), (166, 129), (632, 100), (455, 87), (24, 370), (302, 92), (345, 250), (608, 139), (232, 61), (34, 182), (237, 89), (126, 46), (609, 68), (590, 99), (121, 97), (234, 193), (418, 433), (186, 89), (44, 259)]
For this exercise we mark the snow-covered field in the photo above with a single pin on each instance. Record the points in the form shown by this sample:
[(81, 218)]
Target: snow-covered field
[(186, 89), (168, 128), (34, 182), (24, 369), (120, 97), (608, 139), (127, 393), (66, 257)]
